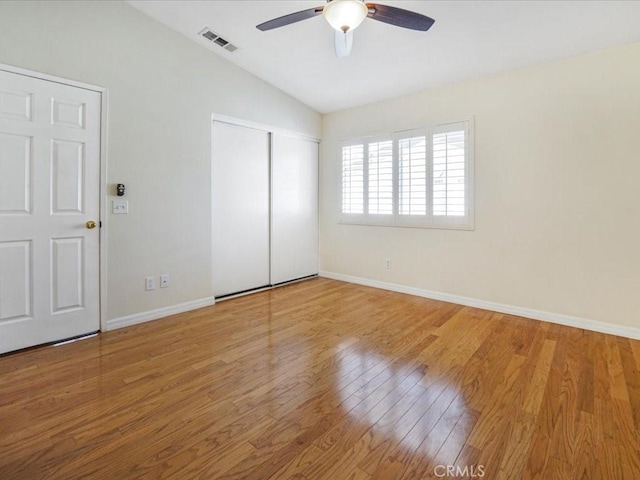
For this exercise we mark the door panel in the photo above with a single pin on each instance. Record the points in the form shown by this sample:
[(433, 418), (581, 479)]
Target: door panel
[(67, 259), (240, 183), (15, 105), (15, 295), (294, 229), (49, 189), (67, 113), (67, 177), (15, 173)]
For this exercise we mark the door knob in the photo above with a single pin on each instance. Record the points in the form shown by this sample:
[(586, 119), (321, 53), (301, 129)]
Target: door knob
[(91, 224)]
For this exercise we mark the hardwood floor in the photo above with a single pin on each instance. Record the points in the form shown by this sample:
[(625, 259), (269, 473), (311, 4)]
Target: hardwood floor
[(325, 380)]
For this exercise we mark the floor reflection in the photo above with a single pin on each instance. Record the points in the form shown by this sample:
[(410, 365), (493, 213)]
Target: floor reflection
[(404, 403)]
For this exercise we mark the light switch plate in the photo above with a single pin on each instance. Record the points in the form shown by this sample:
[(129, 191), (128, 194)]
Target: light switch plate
[(120, 207)]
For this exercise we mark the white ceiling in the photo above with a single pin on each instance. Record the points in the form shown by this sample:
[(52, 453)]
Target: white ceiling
[(469, 39)]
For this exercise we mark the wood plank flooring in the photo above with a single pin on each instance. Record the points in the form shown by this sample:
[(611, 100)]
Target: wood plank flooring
[(325, 380)]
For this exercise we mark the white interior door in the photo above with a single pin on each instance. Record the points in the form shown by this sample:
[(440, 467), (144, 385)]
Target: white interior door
[(294, 214), (240, 184), (49, 190)]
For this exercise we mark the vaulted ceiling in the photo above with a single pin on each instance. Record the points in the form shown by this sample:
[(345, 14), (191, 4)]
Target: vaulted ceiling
[(469, 39)]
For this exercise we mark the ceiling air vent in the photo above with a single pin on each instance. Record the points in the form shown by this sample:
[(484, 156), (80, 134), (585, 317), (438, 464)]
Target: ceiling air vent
[(218, 40)]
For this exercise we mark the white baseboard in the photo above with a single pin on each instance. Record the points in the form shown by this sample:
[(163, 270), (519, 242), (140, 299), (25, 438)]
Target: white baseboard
[(158, 313), (568, 320)]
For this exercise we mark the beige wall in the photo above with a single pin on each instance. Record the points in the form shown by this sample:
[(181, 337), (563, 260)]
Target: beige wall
[(163, 89), (557, 191)]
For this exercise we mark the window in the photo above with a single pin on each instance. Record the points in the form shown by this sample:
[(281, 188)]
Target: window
[(380, 174), (421, 178), (352, 179), (413, 175), (449, 175)]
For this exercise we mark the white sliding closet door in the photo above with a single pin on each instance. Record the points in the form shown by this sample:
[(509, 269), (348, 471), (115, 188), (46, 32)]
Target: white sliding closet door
[(294, 212), (240, 183)]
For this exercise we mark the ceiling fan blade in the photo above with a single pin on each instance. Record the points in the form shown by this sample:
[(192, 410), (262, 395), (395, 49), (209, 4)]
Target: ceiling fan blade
[(291, 18), (399, 17), (343, 41)]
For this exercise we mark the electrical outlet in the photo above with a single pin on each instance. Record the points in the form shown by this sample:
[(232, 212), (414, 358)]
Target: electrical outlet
[(164, 281), (150, 283), (387, 264)]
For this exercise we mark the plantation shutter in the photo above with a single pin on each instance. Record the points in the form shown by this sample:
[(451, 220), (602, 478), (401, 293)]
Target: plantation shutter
[(449, 191), (411, 178), (412, 173), (353, 179), (380, 177)]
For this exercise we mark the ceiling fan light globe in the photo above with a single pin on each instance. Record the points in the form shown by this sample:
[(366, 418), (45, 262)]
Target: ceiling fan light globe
[(345, 15)]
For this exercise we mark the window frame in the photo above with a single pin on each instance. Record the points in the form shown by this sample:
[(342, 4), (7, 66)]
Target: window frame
[(428, 220)]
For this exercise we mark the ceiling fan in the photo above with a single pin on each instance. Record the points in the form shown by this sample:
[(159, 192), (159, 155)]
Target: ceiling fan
[(345, 16)]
